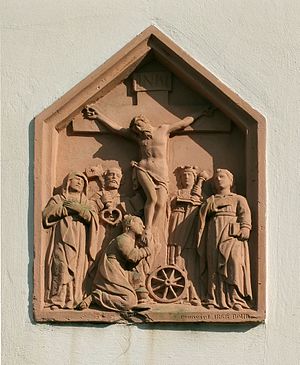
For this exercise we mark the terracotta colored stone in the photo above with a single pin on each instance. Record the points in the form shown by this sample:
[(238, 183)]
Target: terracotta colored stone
[(151, 226)]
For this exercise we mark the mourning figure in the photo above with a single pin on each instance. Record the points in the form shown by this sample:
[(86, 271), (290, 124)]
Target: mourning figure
[(225, 224), (117, 281), (109, 208), (73, 224), (109, 196)]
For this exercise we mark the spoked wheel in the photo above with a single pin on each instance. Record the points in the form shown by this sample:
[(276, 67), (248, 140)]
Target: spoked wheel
[(167, 284)]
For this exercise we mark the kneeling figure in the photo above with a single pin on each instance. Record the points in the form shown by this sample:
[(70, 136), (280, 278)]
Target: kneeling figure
[(117, 278)]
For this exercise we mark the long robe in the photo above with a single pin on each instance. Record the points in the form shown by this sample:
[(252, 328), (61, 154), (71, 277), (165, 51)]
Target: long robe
[(183, 233), (68, 251), (116, 278), (106, 232), (224, 259)]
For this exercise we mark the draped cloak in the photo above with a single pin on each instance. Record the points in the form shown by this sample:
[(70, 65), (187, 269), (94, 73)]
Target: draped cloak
[(224, 259), (114, 283), (68, 250), (183, 233)]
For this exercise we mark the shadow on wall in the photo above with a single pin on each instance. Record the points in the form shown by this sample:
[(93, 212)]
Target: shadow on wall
[(30, 222)]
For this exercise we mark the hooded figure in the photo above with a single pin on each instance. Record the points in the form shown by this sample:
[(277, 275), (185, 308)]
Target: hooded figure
[(74, 224)]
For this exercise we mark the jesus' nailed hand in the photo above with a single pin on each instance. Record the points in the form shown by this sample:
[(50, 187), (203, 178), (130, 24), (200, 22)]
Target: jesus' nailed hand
[(151, 172)]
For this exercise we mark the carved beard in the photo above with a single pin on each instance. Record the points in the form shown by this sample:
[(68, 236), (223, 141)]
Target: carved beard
[(112, 184), (147, 133)]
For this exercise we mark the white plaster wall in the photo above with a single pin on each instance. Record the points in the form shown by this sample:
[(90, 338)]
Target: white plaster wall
[(252, 46)]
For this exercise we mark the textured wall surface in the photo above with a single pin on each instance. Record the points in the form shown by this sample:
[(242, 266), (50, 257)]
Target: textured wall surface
[(253, 47)]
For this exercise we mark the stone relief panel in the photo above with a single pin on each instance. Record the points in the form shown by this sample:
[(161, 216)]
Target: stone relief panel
[(149, 196)]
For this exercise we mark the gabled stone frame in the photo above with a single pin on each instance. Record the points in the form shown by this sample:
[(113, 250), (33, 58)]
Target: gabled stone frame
[(99, 83)]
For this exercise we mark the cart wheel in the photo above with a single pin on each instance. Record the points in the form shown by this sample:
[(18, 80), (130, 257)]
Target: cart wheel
[(167, 284)]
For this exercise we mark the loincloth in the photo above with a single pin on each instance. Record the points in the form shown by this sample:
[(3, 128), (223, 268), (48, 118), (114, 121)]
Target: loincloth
[(156, 180)]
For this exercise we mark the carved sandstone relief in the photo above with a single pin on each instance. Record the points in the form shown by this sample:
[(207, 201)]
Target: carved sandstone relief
[(149, 195)]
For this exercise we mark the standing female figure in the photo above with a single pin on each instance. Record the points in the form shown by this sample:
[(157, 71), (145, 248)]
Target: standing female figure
[(74, 225), (223, 249)]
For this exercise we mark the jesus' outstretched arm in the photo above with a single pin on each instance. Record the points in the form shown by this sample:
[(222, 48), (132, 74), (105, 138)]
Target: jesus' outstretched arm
[(94, 114), (183, 123)]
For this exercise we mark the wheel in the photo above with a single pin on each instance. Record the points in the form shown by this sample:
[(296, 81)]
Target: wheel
[(167, 284)]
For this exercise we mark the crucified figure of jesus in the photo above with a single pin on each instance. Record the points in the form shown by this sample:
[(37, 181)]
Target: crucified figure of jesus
[(151, 171)]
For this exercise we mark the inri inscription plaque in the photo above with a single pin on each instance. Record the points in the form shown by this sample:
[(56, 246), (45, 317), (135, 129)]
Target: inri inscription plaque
[(149, 195)]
